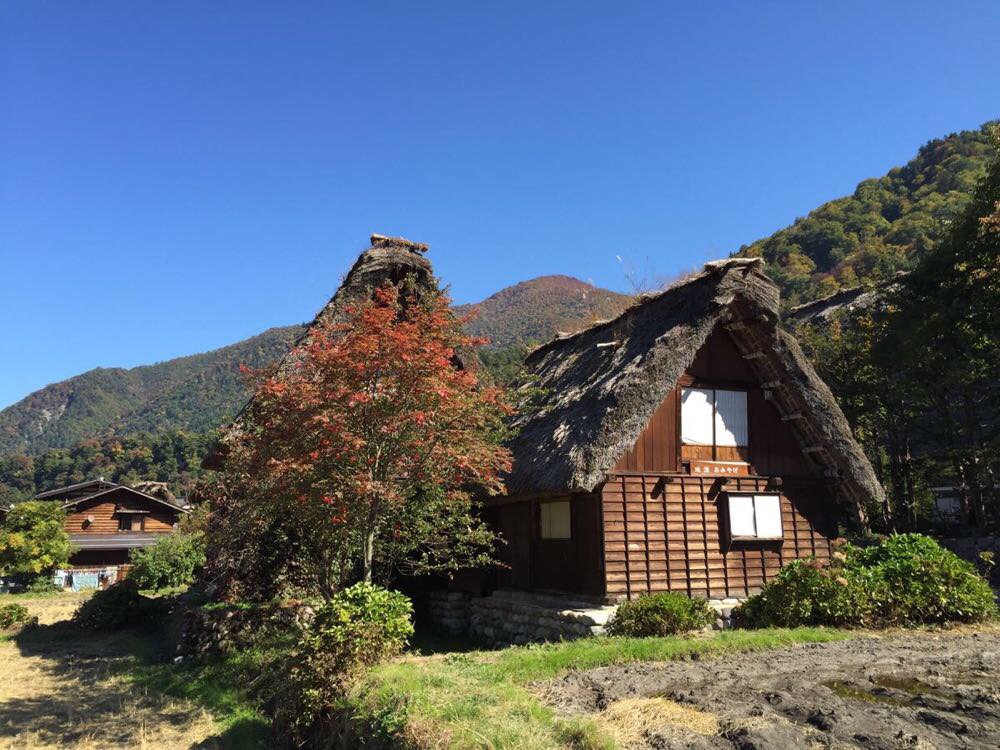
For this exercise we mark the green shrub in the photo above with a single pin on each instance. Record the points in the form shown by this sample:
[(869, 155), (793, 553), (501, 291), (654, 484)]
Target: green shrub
[(359, 627), (905, 579), (172, 561), (33, 541), (660, 615), (13, 614), (41, 585), (806, 593), (923, 582), (119, 607)]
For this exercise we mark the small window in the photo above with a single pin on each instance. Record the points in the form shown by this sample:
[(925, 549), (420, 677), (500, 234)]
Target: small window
[(131, 522), (555, 520), (755, 516), (711, 416)]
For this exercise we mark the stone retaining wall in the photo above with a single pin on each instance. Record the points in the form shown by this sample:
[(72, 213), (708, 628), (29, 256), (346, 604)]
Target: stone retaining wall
[(516, 617)]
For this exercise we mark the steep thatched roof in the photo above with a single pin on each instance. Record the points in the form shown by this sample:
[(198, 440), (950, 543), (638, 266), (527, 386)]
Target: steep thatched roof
[(390, 260), (601, 386), (822, 310)]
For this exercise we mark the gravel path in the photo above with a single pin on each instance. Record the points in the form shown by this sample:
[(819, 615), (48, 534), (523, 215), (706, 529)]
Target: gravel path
[(918, 690)]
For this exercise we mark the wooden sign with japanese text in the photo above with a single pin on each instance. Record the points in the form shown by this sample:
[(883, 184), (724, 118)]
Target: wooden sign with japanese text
[(701, 467)]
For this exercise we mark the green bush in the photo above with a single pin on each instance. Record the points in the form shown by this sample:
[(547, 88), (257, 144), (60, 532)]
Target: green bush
[(13, 614), (660, 615), (42, 584), (359, 627), (119, 607), (172, 561), (33, 541), (905, 579)]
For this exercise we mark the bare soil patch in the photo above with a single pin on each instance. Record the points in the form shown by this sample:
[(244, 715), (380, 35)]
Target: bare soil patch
[(916, 690)]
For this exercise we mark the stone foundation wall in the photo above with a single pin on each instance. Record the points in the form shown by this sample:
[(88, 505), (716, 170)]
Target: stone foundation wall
[(449, 611), (516, 617)]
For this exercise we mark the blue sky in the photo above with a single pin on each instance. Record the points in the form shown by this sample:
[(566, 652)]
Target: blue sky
[(177, 176)]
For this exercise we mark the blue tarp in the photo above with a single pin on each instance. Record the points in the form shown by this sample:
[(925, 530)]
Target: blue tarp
[(83, 581)]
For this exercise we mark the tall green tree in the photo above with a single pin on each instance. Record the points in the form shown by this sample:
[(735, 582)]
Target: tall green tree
[(33, 541)]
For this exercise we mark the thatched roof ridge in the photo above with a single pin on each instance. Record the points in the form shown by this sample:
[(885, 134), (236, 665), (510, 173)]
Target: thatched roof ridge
[(389, 260), (601, 385), (394, 260)]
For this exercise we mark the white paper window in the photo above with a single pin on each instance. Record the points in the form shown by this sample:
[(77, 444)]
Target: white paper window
[(555, 520), (714, 417), (731, 418), (741, 521), (755, 516), (767, 514), (696, 416)]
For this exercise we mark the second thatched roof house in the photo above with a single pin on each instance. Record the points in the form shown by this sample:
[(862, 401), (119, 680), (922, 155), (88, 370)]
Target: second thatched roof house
[(685, 445)]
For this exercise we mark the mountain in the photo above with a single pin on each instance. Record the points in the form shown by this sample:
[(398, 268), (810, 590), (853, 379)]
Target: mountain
[(201, 392), (533, 311), (885, 226), (195, 393)]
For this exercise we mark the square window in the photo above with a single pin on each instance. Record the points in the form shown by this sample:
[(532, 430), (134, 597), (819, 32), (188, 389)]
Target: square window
[(555, 520), (711, 416), (755, 516)]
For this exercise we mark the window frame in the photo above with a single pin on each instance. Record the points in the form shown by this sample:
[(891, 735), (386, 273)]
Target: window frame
[(540, 526), (752, 496), (713, 386)]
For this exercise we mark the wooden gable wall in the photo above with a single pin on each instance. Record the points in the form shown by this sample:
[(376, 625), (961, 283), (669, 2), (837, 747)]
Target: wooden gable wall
[(159, 518), (665, 530), (773, 447)]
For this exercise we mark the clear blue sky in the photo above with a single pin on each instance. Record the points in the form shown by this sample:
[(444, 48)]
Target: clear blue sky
[(176, 176)]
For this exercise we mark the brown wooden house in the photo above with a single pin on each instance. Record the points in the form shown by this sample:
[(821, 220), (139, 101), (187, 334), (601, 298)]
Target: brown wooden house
[(106, 521), (686, 445)]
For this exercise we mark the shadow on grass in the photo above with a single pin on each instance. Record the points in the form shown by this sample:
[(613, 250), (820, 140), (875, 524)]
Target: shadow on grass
[(108, 689)]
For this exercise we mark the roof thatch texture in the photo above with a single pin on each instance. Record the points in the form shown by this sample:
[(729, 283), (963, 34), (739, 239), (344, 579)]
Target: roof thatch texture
[(390, 260), (601, 386)]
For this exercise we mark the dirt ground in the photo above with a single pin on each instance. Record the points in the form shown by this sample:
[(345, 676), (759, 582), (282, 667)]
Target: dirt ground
[(58, 691), (919, 690)]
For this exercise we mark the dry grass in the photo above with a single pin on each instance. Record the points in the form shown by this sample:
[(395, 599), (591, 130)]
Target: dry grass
[(630, 720), (59, 690), (49, 608)]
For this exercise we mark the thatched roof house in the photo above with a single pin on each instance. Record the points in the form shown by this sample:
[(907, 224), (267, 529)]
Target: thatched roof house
[(656, 426)]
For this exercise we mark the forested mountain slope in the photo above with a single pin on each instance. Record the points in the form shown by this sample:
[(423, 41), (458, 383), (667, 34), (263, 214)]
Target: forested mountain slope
[(195, 393), (201, 392), (885, 226), (533, 311)]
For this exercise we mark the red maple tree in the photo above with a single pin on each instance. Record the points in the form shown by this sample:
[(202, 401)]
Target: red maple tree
[(374, 441)]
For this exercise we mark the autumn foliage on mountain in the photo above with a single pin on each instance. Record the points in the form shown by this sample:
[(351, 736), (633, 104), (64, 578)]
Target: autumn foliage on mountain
[(364, 448), (887, 225)]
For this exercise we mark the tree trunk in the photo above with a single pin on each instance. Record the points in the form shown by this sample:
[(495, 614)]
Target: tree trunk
[(369, 549)]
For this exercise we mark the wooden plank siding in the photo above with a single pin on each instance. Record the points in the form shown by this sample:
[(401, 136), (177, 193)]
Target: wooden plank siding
[(665, 530), (668, 533), (571, 565), (158, 517)]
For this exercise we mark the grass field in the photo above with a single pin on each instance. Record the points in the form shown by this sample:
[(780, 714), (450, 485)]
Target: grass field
[(64, 687), (61, 687), (483, 698)]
